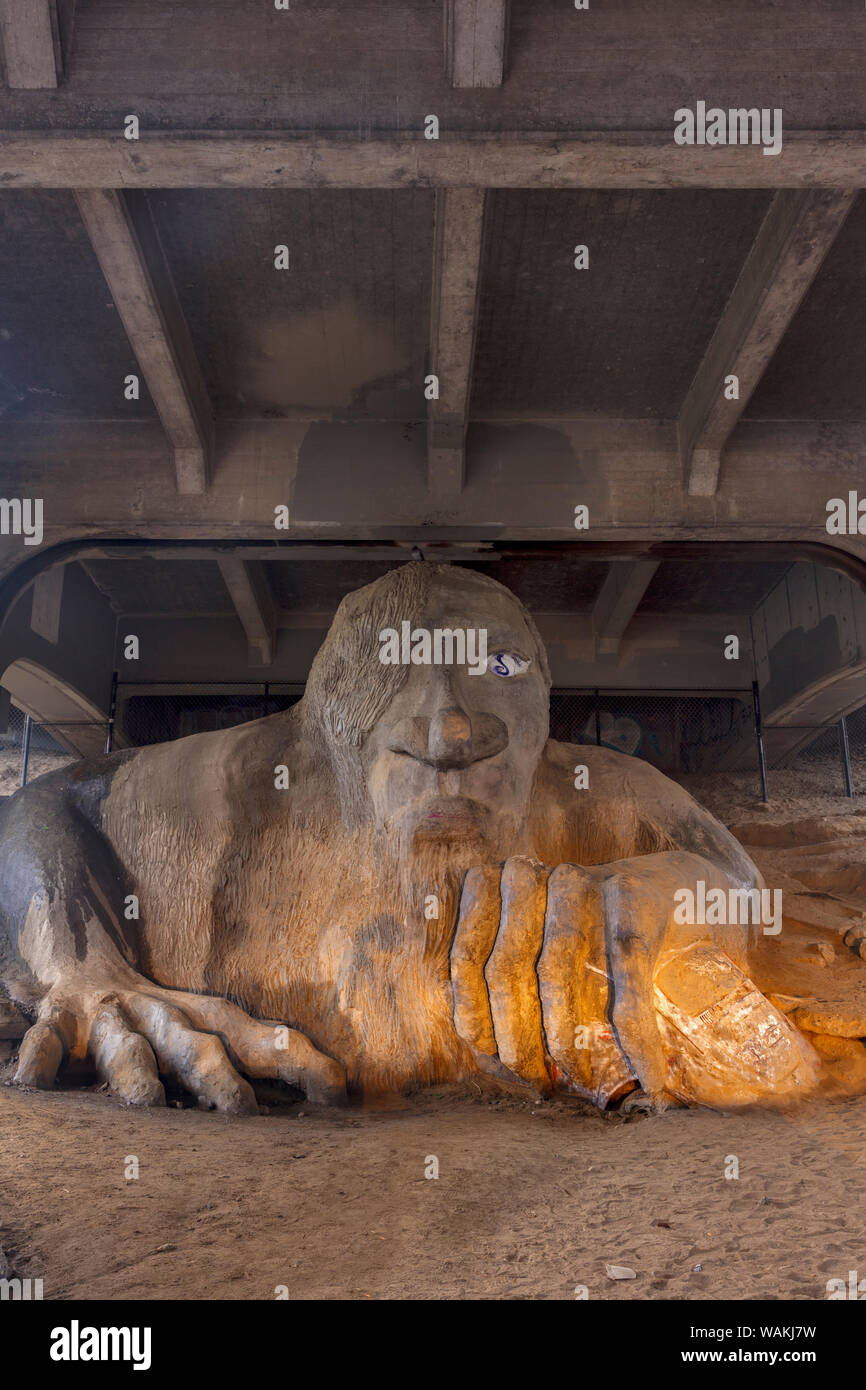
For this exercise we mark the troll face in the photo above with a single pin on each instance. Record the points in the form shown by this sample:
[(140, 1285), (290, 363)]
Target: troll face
[(446, 752)]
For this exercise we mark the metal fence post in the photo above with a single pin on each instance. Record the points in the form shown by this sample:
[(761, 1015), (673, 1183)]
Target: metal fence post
[(25, 749), (846, 756), (267, 699), (759, 739), (597, 721), (112, 711)]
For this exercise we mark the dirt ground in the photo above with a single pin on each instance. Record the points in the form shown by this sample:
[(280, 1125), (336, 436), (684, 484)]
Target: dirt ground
[(531, 1201), (38, 762), (813, 789)]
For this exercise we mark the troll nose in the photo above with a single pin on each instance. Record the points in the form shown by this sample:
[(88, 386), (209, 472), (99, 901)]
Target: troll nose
[(451, 739)]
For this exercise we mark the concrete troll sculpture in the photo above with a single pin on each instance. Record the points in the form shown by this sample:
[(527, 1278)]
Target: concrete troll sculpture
[(399, 881)]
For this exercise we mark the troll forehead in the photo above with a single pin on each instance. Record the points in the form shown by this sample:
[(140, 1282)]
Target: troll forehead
[(348, 684)]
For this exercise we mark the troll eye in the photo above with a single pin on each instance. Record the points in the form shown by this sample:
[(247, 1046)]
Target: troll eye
[(506, 664)]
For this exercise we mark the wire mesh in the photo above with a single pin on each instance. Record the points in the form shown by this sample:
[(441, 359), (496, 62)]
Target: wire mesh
[(815, 755), (50, 746), (160, 717), (674, 732)]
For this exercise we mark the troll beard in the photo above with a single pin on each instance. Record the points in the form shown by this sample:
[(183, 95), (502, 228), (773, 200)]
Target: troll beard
[(363, 964), (384, 947)]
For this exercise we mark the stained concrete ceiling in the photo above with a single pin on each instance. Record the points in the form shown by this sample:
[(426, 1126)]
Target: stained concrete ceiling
[(63, 351), (371, 66), (553, 340), (555, 583), (344, 335), (819, 368), (305, 390), (263, 391)]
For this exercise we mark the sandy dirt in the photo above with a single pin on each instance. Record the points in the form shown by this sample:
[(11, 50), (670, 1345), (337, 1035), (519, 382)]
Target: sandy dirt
[(813, 789), (531, 1201), (38, 762)]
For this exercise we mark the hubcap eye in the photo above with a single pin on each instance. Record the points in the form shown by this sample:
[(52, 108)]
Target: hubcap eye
[(506, 664)]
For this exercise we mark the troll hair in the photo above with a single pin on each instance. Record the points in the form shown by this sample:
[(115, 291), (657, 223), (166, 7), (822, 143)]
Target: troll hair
[(349, 688)]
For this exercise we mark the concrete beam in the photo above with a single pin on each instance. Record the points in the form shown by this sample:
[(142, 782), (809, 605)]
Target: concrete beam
[(250, 595), (552, 159), (298, 620), (128, 250), (624, 586), (778, 478), (454, 309), (31, 43), (475, 42), (787, 253), (47, 601)]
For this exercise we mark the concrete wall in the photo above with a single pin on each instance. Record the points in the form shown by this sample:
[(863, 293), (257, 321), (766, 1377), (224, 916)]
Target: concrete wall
[(83, 654), (809, 637)]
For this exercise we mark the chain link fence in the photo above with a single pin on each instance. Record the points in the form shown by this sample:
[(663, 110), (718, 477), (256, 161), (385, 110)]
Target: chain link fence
[(705, 733), (29, 748), (675, 732), (830, 759), (162, 714)]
